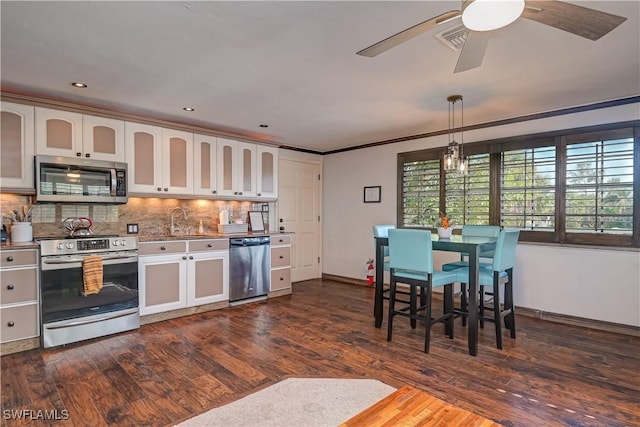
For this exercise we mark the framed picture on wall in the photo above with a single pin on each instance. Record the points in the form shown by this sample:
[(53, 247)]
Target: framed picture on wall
[(372, 194)]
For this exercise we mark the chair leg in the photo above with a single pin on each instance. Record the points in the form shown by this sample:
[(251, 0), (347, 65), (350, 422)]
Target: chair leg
[(463, 302), (427, 333), (413, 301), (510, 318), (496, 311), (448, 310), (392, 306), (481, 306)]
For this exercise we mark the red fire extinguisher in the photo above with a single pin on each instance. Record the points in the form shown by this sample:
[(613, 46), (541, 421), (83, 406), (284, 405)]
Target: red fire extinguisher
[(370, 272)]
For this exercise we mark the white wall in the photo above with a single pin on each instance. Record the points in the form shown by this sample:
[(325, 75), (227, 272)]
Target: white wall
[(599, 284)]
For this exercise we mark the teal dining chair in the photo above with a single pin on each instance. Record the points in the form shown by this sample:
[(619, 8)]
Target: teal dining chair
[(500, 273), (382, 230), (472, 231), (411, 263)]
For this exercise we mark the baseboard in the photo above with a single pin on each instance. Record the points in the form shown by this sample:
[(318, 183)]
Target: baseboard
[(530, 312)]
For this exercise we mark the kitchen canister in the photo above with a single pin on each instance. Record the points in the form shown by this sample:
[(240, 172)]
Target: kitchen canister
[(21, 232)]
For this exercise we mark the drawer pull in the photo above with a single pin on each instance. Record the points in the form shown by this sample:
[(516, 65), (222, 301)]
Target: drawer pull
[(9, 258), (281, 241), (162, 248), (10, 287), (10, 324), (281, 257), (282, 278), (209, 245)]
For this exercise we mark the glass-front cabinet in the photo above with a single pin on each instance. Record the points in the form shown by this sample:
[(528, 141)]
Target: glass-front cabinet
[(236, 168), (267, 172), (142, 153), (177, 162), (69, 134), (204, 165), (16, 146)]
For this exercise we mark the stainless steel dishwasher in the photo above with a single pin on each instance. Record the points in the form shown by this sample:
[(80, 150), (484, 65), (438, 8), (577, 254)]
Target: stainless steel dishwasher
[(250, 267)]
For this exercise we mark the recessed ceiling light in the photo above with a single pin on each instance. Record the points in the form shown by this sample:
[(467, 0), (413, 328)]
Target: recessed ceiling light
[(264, 126), (188, 109), (79, 85)]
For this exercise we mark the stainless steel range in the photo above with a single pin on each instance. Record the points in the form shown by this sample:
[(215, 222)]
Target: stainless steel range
[(71, 314)]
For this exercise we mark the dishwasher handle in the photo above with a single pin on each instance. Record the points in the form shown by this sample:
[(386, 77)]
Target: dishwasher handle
[(249, 241)]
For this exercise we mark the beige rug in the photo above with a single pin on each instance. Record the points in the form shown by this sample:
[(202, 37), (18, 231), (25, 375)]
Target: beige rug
[(297, 402)]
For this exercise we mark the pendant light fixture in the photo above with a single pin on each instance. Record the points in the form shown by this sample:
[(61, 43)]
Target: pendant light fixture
[(454, 158)]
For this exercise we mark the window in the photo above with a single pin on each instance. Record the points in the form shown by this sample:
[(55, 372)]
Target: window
[(599, 180), (527, 197), (467, 197), (420, 193), (578, 186)]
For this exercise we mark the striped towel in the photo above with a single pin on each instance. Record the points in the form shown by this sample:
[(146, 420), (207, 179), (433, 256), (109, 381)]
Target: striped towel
[(92, 274)]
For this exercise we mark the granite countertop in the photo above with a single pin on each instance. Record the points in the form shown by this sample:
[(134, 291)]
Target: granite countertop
[(19, 245), (205, 236)]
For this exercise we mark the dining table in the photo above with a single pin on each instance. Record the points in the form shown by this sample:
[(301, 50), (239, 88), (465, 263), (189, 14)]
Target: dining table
[(471, 246)]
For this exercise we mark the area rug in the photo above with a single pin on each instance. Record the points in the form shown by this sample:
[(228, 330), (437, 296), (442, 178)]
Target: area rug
[(308, 402)]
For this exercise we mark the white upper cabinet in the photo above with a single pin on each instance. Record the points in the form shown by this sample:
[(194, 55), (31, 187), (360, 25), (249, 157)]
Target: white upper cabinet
[(236, 173), (267, 172), (16, 145), (204, 165), (177, 162), (102, 138), (143, 155), (63, 133)]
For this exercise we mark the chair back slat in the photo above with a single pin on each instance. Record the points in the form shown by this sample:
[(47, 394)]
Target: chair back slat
[(505, 253), (411, 250), (382, 230), (481, 230)]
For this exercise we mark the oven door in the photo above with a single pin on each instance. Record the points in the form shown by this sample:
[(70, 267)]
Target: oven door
[(62, 286)]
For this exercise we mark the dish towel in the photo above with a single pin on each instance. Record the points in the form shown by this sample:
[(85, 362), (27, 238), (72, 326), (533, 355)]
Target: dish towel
[(92, 274)]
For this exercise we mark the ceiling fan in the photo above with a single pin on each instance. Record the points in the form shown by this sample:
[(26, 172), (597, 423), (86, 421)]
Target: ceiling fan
[(481, 16)]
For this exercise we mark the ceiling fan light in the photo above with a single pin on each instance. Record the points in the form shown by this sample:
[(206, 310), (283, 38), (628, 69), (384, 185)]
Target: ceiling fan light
[(487, 15)]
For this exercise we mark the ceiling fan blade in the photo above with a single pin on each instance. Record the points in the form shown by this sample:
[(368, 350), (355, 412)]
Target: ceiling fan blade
[(408, 34), (582, 21), (473, 51)]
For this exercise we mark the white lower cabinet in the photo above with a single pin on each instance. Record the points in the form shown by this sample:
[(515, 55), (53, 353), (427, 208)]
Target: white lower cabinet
[(180, 274)]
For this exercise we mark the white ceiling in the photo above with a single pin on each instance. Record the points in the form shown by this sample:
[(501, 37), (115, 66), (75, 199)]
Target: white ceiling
[(292, 65)]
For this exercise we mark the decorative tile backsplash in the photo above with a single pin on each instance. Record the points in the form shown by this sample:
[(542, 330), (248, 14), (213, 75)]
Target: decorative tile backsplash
[(151, 214)]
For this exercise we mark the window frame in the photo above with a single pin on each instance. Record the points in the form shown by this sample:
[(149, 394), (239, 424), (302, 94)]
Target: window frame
[(560, 139)]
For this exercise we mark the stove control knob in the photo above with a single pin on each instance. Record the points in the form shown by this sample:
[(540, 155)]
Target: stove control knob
[(69, 245), (116, 243), (60, 246)]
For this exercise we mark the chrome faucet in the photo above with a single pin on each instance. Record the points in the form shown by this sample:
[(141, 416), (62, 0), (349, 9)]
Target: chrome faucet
[(173, 227)]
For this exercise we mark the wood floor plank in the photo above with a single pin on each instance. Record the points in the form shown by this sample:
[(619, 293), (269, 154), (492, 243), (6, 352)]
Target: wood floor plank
[(551, 375)]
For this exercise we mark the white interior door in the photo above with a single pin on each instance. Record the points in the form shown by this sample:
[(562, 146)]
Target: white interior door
[(299, 213)]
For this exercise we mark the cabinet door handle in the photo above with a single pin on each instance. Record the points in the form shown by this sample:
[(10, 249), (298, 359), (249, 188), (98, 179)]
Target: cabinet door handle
[(9, 258), (166, 189), (240, 193), (259, 194), (184, 257), (10, 324), (190, 257), (10, 287), (162, 248), (159, 189), (214, 192), (78, 154), (87, 155), (209, 245), (235, 192)]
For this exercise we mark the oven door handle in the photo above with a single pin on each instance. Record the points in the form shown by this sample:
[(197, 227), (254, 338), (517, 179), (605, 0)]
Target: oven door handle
[(77, 260), (94, 320)]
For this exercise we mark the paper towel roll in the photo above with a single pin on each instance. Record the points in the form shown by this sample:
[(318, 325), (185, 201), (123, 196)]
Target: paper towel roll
[(224, 217)]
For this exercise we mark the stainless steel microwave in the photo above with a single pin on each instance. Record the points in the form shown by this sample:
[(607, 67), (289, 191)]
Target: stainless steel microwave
[(77, 180)]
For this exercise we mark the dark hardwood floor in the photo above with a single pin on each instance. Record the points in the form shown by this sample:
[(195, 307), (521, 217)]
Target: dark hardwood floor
[(552, 374)]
